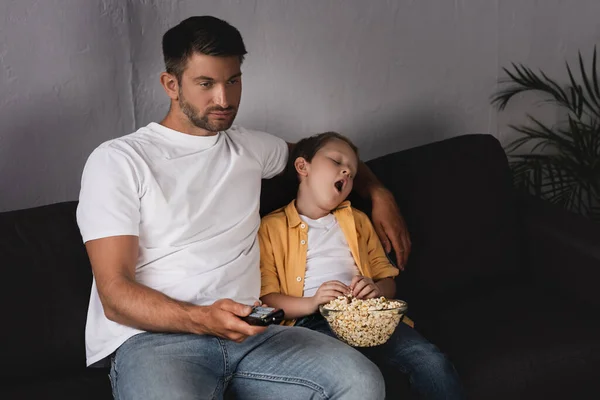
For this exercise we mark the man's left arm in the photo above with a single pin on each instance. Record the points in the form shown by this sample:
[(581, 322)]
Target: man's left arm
[(387, 220)]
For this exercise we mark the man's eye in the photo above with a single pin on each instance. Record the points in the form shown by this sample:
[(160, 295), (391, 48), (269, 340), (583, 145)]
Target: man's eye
[(205, 84), (233, 81)]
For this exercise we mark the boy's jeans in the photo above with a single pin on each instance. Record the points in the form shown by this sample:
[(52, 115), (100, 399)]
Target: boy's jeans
[(430, 373), (281, 363)]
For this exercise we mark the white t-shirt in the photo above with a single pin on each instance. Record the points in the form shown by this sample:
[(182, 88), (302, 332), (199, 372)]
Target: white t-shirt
[(328, 255), (194, 203)]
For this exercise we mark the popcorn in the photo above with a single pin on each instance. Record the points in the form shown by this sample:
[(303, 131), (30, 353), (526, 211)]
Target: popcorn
[(363, 323)]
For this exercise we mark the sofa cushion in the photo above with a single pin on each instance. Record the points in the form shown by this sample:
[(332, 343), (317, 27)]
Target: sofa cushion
[(521, 342), (457, 199), (45, 289), (90, 384)]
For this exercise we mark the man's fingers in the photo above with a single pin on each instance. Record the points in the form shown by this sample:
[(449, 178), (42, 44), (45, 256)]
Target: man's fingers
[(400, 252), (235, 337), (240, 335), (241, 310), (407, 246), (238, 326), (379, 229)]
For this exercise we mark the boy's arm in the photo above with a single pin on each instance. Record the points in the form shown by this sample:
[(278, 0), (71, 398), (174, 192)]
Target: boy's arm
[(294, 307), (298, 307), (389, 223), (387, 287)]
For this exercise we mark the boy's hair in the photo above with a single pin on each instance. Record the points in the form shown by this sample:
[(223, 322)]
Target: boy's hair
[(206, 35), (308, 147)]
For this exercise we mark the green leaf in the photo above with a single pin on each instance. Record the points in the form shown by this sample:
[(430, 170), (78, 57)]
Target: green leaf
[(562, 164)]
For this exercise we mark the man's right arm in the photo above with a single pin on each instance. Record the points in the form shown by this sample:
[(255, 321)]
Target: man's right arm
[(130, 303)]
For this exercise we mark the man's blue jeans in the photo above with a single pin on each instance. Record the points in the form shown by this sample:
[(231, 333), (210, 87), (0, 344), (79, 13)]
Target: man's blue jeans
[(431, 375), (281, 363)]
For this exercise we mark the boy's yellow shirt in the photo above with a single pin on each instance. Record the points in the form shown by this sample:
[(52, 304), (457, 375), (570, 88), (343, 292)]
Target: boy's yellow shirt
[(283, 239)]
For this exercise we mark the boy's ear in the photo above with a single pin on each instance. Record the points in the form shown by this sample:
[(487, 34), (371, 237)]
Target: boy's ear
[(301, 166)]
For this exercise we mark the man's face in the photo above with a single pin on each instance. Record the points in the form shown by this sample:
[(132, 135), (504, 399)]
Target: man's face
[(210, 91)]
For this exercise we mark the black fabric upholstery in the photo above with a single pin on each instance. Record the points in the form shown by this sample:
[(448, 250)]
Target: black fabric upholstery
[(562, 250), (457, 200), (46, 286), (504, 285), (522, 341), (90, 384)]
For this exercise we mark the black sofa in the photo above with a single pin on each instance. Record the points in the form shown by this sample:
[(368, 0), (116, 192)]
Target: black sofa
[(504, 284)]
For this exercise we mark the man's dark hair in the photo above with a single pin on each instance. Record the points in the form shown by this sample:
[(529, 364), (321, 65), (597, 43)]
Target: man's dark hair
[(308, 147), (206, 35)]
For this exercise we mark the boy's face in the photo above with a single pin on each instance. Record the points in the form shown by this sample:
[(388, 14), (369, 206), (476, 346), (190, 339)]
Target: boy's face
[(329, 177)]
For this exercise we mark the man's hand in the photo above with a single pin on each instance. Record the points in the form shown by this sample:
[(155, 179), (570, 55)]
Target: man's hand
[(222, 319), (328, 291), (364, 288), (390, 225)]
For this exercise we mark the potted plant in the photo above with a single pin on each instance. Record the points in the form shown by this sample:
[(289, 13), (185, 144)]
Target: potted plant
[(563, 165)]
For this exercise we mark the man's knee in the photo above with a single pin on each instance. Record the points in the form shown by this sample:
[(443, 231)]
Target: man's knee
[(370, 384), (334, 369), (154, 366), (360, 377)]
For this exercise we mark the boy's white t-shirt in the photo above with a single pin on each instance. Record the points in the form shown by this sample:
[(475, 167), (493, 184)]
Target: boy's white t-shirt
[(328, 255), (194, 203)]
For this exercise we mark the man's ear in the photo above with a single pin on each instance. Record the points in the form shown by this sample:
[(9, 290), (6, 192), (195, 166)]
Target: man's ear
[(301, 166), (170, 84)]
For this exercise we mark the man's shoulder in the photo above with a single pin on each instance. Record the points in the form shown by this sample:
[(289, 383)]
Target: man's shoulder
[(240, 133), (241, 130), (128, 143)]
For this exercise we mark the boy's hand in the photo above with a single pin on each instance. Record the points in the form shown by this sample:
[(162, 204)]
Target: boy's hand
[(364, 288), (328, 291)]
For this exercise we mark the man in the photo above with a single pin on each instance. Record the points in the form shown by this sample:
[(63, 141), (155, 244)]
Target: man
[(169, 216)]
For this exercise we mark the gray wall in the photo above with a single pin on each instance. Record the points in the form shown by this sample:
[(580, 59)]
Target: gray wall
[(389, 74)]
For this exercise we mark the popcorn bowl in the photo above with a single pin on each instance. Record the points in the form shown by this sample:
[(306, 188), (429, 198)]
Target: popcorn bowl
[(363, 323)]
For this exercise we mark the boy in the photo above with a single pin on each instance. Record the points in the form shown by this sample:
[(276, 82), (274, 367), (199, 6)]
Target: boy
[(318, 248)]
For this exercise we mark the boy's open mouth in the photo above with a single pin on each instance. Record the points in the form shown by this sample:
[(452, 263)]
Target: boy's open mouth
[(339, 185)]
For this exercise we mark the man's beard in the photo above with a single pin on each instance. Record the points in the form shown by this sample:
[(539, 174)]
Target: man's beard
[(201, 120)]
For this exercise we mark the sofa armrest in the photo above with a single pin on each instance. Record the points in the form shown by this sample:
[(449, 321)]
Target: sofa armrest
[(562, 249)]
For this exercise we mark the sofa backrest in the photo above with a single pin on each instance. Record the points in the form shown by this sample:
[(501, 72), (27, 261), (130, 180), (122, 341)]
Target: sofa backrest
[(45, 287), (458, 201), (455, 195)]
